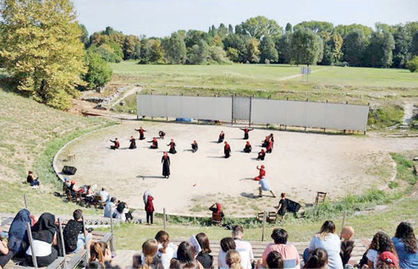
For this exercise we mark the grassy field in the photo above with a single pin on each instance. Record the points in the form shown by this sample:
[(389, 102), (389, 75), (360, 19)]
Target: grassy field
[(30, 134)]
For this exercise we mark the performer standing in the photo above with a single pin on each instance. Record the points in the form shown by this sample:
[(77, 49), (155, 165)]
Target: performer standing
[(141, 133), (161, 134), (115, 142), (261, 155), (154, 144), (132, 144), (172, 147), (247, 148), (221, 137), (246, 131), (165, 160), (261, 173), (227, 150), (194, 146), (264, 186)]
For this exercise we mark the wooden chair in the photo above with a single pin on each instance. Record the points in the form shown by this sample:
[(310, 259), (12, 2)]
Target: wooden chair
[(216, 219), (320, 197), (271, 217)]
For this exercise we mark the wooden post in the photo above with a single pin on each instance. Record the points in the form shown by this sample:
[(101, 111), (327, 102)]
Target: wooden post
[(164, 219), (343, 223), (29, 231), (112, 247), (85, 245), (26, 202), (264, 225), (62, 238)]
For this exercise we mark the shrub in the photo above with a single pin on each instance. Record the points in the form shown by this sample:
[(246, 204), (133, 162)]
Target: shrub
[(385, 116), (412, 64), (99, 73)]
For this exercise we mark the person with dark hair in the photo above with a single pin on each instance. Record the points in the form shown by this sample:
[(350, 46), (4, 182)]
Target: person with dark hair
[(203, 256), (185, 257), (247, 148), (381, 242), (104, 195), (282, 207), (221, 137), (172, 145), (149, 208), (141, 133), (406, 246), (318, 259), (261, 155), (246, 132), (288, 253), (18, 239), (347, 245), (161, 134), (166, 250), (194, 146), (165, 160), (226, 243), (274, 260), (154, 143), (73, 233), (328, 240), (110, 207), (116, 144), (44, 235), (148, 258), (243, 247), (132, 143), (227, 150)]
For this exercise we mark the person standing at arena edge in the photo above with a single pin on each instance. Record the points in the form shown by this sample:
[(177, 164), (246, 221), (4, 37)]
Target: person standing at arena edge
[(227, 150), (172, 145), (149, 206), (165, 160), (282, 207), (246, 131), (141, 133), (261, 173)]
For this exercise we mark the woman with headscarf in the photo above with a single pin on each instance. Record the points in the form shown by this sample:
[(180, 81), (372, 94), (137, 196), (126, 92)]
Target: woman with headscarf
[(149, 209), (132, 143), (154, 143), (44, 238), (165, 160), (247, 148), (172, 145), (18, 238)]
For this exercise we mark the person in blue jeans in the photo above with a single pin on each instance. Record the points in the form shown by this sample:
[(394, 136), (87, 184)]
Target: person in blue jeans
[(264, 186), (406, 246)]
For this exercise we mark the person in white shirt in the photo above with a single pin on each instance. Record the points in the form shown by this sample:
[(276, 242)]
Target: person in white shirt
[(244, 248), (110, 208), (104, 195), (166, 250)]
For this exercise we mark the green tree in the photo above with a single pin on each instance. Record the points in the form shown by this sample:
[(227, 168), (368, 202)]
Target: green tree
[(233, 54), (379, 52), (153, 52), (315, 26), (283, 46), (337, 44), (41, 48), (98, 73), (176, 49), (268, 52), (306, 47), (353, 47), (288, 28), (259, 27), (412, 64), (239, 44), (218, 55), (84, 35), (199, 53), (402, 43), (253, 50), (344, 30), (130, 47), (414, 44)]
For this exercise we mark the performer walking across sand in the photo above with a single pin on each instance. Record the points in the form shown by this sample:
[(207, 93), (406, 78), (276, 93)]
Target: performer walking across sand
[(261, 173), (246, 132), (172, 145), (227, 150), (141, 133), (264, 186), (116, 144), (165, 160)]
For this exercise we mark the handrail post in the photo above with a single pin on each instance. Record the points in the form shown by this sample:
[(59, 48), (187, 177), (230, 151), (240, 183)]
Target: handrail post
[(62, 240), (164, 220), (264, 225), (112, 247), (26, 202), (85, 243), (29, 231)]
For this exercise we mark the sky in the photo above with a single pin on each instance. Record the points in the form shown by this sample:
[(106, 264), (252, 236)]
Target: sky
[(160, 18)]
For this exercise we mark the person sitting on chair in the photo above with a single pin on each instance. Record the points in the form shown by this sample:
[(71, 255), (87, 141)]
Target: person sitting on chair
[(172, 145), (194, 146), (216, 209), (116, 144), (261, 155), (132, 144), (154, 144), (221, 137), (161, 134), (247, 148)]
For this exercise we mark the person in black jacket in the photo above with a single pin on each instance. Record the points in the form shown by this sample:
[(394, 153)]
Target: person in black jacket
[(74, 239), (203, 256)]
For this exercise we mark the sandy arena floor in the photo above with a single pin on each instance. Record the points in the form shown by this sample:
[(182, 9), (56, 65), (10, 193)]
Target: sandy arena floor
[(301, 164)]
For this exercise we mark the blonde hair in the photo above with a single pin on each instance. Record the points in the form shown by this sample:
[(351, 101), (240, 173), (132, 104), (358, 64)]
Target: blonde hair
[(149, 249), (233, 259), (98, 252)]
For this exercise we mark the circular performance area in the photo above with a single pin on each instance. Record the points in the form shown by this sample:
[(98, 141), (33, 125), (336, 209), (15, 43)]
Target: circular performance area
[(301, 164)]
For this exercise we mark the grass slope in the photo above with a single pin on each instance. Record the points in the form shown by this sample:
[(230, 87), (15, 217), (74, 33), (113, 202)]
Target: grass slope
[(30, 134)]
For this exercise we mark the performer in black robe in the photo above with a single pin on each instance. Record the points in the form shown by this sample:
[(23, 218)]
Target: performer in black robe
[(261, 155), (161, 134), (266, 142), (172, 147), (227, 150), (221, 137), (247, 148), (165, 160), (141, 133), (116, 144), (132, 144), (154, 144), (246, 131), (194, 146)]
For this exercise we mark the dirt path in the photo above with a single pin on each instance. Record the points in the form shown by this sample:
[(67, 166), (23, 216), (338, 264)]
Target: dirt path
[(408, 113), (131, 91), (298, 75)]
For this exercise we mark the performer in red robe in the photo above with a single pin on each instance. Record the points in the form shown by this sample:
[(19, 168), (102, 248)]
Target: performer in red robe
[(247, 148), (154, 144), (141, 133), (116, 144), (194, 146), (246, 131), (261, 155), (269, 147), (261, 173), (227, 150), (132, 144), (172, 147), (266, 142), (165, 160), (221, 137)]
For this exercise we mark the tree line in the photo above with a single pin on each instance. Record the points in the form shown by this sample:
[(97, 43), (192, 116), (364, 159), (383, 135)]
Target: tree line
[(262, 40)]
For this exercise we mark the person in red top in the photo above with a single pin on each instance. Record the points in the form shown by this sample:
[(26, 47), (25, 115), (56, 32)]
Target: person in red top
[(172, 147), (269, 146), (154, 144), (227, 150), (141, 133), (261, 155), (246, 131), (266, 142), (261, 173), (221, 137), (132, 142), (247, 148), (149, 208), (116, 144)]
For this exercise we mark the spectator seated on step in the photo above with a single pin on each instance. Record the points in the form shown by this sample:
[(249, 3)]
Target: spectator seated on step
[(110, 207), (166, 250), (148, 257), (244, 248), (74, 238), (347, 245), (104, 195), (406, 246), (100, 256), (288, 252)]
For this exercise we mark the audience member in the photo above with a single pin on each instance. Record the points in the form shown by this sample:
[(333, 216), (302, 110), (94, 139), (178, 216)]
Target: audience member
[(274, 260), (243, 247), (33, 182), (381, 242), (18, 239), (5, 253), (288, 253), (203, 256), (110, 208), (406, 246), (44, 235), (328, 240), (318, 259), (100, 253), (121, 212), (73, 233), (233, 259), (166, 250), (149, 257), (347, 245), (388, 260), (186, 254), (104, 195), (226, 243), (149, 207)]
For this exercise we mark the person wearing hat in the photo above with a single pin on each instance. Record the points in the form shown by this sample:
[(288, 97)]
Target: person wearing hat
[(172, 145), (116, 144), (247, 148), (261, 173), (141, 133), (132, 144), (261, 155), (227, 150), (387, 260), (154, 144)]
